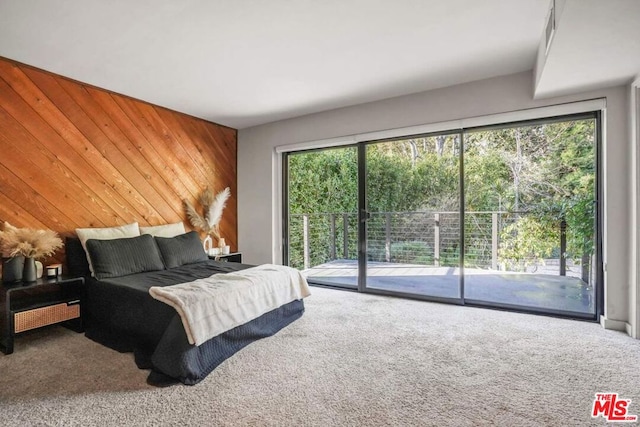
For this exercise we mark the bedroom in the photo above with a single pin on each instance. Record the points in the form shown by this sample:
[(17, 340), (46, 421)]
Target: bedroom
[(140, 188)]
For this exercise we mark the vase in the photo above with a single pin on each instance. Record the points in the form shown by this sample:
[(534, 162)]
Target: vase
[(12, 269), (29, 274), (207, 244), (39, 269)]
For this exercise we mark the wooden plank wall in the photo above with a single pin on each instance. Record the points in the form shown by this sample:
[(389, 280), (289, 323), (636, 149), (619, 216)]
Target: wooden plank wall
[(72, 155)]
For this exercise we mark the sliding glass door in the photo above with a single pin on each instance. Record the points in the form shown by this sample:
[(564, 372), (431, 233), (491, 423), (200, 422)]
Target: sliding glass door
[(412, 222), (503, 216), (321, 228), (530, 215)]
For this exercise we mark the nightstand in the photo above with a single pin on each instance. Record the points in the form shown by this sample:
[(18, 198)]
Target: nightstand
[(232, 257), (26, 306)]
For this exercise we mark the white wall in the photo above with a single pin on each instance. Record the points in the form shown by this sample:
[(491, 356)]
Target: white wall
[(634, 212), (258, 203)]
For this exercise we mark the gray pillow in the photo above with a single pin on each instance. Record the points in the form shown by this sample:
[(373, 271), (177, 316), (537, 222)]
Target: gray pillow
[(121, 257), (183, 249)]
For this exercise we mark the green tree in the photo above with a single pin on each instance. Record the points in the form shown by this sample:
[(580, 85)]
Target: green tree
[(542, 173)]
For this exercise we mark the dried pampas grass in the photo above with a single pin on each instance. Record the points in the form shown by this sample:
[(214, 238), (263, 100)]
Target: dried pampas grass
[(206, 198), (212, 207), (28, 242), (214, 213), (197, 221)]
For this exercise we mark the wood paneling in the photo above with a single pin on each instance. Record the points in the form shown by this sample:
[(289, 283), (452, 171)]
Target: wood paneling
[(72, 155)]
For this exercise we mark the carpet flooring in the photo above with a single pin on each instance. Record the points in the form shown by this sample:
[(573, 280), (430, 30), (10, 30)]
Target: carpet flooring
[(351, 360)]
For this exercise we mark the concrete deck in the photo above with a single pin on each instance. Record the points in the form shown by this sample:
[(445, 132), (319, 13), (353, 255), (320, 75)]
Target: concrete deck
[(528, 290)]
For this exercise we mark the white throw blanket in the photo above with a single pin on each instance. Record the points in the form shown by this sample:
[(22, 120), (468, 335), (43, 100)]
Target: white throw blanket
[(216, 304)]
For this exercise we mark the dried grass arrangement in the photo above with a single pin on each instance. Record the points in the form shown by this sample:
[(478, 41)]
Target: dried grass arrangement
[(28, 242), (212, 211)]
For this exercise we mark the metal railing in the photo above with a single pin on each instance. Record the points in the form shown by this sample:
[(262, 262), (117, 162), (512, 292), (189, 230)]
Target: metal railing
[(425, 238)]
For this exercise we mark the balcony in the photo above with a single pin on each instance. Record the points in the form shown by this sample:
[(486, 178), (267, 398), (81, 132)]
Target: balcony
[(417, 253)]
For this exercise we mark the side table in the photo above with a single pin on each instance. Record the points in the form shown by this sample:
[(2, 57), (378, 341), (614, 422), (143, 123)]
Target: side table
[(26, 306), (232, 257)]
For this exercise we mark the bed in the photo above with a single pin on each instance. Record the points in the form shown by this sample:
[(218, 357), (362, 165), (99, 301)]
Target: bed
[(120, 313)]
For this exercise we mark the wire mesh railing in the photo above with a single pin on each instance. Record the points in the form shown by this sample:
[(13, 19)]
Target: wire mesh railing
[(424, 238)]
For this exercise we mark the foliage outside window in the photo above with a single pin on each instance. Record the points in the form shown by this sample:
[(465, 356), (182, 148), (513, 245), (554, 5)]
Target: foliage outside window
[(534, 177)]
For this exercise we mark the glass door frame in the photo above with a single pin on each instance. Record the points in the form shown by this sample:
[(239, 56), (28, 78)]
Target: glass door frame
[(362, 216), (285, 212), (598, 212)]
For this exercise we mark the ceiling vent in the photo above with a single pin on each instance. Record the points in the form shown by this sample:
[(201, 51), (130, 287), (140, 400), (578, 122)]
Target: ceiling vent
[(550, 29)]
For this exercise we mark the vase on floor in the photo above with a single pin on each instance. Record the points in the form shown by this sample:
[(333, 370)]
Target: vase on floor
[(29, 274), (12, 269)]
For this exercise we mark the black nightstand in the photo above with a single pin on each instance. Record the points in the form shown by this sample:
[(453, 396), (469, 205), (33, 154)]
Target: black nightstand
[(232, 257), (26, 306)]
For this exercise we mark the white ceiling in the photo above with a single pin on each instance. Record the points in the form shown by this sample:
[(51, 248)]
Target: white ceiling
[(246, 62)]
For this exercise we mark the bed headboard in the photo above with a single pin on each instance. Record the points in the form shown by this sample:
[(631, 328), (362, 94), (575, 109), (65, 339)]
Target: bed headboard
[(76, 259)]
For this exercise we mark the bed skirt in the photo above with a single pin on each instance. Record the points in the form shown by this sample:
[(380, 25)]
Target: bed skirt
[(173, 359)]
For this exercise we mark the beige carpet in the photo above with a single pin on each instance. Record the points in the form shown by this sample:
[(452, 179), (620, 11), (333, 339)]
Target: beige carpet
[(352, 360)]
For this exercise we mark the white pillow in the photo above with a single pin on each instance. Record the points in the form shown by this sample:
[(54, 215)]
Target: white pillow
[(167, 230), (108, 233)]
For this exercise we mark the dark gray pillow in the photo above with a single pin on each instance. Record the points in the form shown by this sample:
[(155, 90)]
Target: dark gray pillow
[(120, 257), (182, 249)]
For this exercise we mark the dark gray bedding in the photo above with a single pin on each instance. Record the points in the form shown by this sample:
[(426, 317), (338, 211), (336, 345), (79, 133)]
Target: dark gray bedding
[(120, 313)]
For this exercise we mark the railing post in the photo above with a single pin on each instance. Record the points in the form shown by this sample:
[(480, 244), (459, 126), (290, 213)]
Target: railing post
[(332, 226), (345, 235), (387, 237), (494, 240), (436, 239), (563, 247), (305, 239)]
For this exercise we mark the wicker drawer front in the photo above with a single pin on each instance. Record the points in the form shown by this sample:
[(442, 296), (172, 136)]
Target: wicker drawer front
[(44, 316)]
